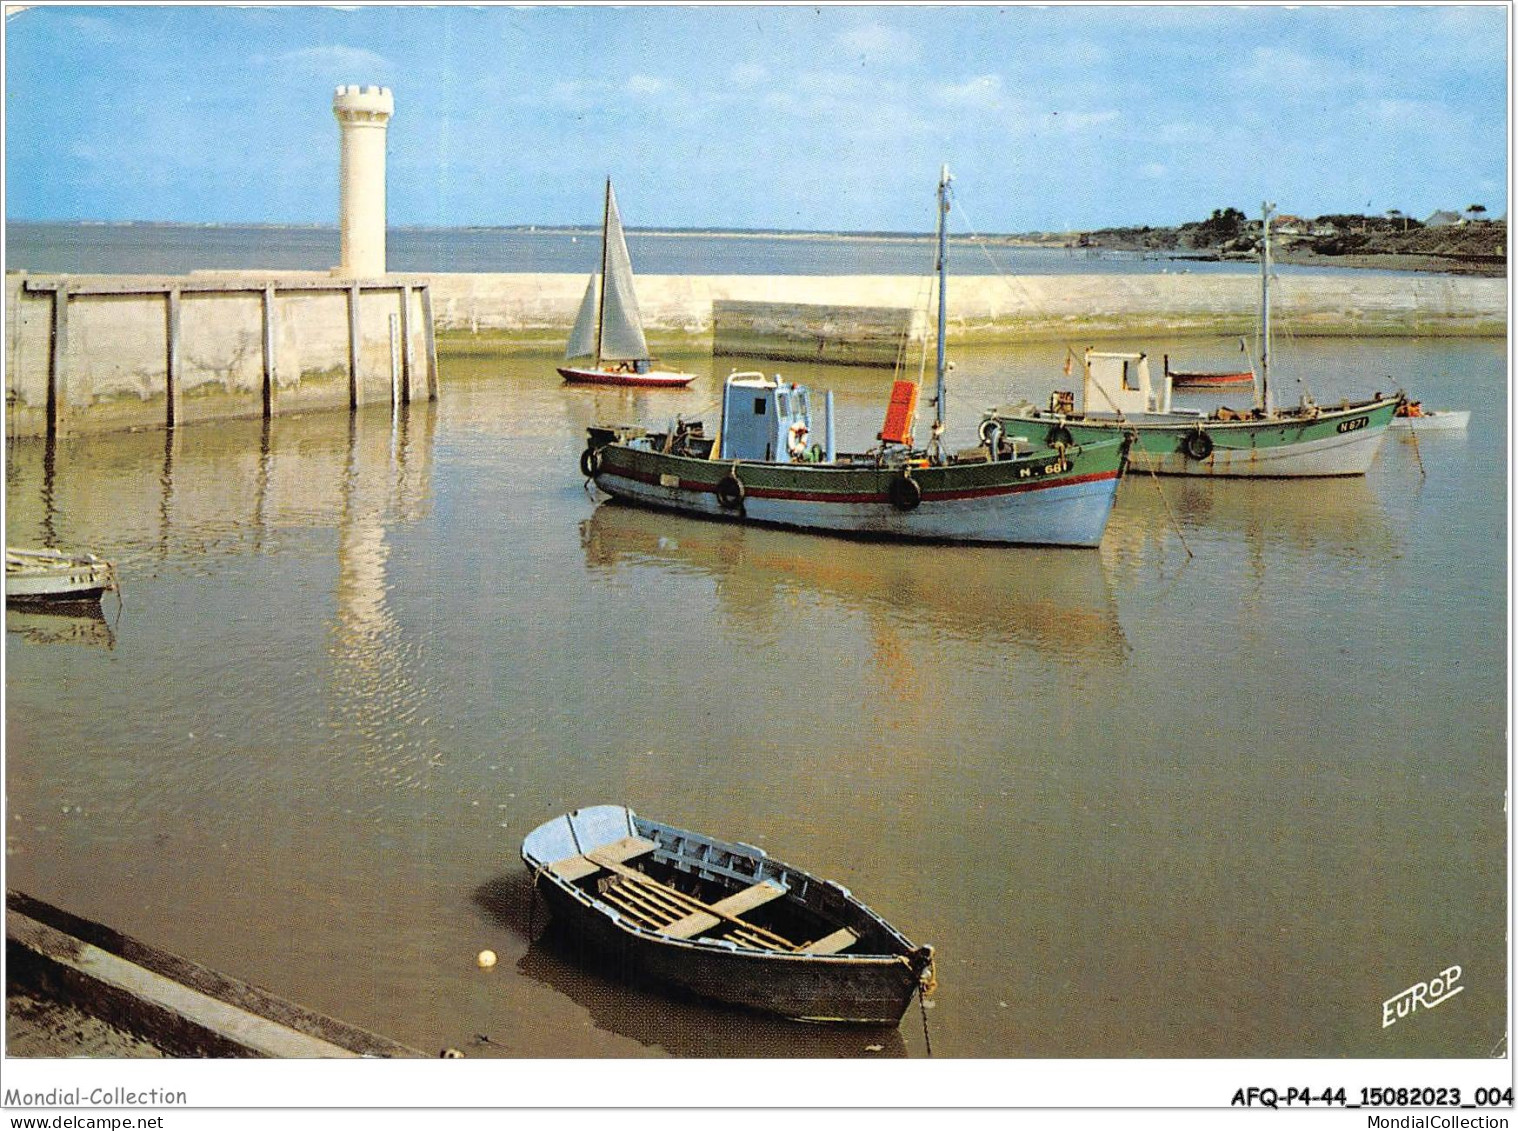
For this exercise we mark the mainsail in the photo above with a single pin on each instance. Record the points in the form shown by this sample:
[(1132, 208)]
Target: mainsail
[(617, 333)]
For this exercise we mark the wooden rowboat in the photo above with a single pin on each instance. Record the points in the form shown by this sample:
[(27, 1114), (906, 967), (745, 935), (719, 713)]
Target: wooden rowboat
[(1186, 380), (1201, 380), (722, 920), (50, 577)]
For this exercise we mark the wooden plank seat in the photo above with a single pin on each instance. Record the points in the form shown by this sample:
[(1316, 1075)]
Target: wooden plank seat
[(574, 868), (839, 940), (728, 908), (693, 916)]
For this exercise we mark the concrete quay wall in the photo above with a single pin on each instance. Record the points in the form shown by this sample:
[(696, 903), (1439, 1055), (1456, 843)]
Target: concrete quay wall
[(995, 308), (103, 352)]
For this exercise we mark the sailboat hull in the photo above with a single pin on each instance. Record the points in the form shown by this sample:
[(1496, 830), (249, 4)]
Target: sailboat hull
[(654, 378), (1045, 499), (1331, 442)]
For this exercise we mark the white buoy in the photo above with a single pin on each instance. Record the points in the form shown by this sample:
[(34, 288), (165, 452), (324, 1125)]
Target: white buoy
[(486, 959)]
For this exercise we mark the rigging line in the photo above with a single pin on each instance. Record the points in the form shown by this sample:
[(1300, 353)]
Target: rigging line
[(1179, 533), (927, 293), (1412, 431), (1289, 332), (1010, 280)]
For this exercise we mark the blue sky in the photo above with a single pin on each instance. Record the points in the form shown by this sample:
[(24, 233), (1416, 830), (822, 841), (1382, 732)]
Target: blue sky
[(832, 118)]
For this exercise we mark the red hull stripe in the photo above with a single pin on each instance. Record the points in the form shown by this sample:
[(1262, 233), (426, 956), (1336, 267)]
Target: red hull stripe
[(876, 497)]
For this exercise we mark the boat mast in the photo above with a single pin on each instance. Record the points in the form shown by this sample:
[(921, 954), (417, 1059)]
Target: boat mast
[(943, 308), (601, 303), (1267, 402)]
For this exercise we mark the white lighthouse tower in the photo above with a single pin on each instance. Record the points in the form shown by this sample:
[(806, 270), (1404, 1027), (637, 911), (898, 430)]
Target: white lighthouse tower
[(363, 114)]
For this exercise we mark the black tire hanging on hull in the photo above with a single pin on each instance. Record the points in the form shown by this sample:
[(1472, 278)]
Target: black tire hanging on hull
[(730, 492), (905, 493), (1197, 445)]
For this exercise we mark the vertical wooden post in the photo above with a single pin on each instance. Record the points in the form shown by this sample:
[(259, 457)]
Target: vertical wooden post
[(353, 341), (57, 378), (269, 362), (395, 360), (171, 366), (406, 343), (430, 330)]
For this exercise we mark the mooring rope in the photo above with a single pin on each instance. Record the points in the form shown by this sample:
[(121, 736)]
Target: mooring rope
[(922, 1003)]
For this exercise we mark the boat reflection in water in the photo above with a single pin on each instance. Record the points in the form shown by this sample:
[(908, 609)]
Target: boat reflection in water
[(1278, 524), (80, 625), (1046, 600), (654, 1015)]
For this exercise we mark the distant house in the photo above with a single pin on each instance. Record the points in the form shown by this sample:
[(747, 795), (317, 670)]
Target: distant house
[(1442, 220), (1289, 226)]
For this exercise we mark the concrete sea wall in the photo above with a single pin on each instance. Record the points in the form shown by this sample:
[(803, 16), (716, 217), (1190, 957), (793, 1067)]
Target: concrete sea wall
[(995, 308), (94, 353), (103, 352)]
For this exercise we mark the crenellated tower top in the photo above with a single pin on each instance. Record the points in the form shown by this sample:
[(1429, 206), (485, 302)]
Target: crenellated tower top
[(356, 105)]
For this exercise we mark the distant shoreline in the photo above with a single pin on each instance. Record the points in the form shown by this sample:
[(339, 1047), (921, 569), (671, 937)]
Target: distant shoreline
[(1447, 264)]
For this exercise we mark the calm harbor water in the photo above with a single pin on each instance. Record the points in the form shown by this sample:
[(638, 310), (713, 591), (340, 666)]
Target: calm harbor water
[(1142, 804)]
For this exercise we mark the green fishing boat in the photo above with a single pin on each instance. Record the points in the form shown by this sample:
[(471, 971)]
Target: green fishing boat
[(763, 467), (1118, 398)]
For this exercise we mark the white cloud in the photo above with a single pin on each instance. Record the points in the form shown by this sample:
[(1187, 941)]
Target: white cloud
[(983, 91), (353, 61), (646, 85), (878, 43), (1288, 74), (1082, 54), (1153, 171), (748, 74), (1405, 113), (1077, 121)]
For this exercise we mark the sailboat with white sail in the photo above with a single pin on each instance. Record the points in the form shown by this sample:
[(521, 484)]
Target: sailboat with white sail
[(608, 329)]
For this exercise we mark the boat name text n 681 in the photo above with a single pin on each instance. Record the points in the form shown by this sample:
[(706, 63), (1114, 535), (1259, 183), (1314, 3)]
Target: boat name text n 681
[(1057, 467)]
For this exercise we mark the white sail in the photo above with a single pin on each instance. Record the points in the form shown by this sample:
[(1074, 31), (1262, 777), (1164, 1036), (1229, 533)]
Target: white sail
[(621, 327), (582, 339)]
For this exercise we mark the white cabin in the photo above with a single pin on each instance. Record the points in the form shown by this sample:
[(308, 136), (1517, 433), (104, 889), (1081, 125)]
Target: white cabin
[(765, 419), (1119, 383)]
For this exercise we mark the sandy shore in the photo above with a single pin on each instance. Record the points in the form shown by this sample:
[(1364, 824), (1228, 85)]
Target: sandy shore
[(35, 1027)]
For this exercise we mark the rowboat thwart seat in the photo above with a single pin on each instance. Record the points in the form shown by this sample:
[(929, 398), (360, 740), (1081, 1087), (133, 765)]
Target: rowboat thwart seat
[(574, 868), (728, 908)]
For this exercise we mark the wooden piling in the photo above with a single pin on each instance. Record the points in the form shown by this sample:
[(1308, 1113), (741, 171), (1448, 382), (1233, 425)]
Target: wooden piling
[(171, 367), (269, 375)]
